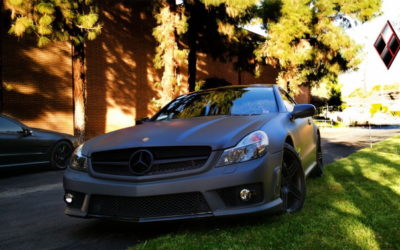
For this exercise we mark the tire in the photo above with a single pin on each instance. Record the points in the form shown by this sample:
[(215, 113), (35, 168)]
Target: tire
[(318, 170), (293, 186), (60, 155)]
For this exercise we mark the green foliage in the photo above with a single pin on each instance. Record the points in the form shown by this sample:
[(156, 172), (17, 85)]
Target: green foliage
[(306, 42), (43, 41), (234, 8), (15, 2), (169, 23), (359, 93), (21, 25), (378, 107), (335, 98), (45, 8), (390, 89), (87, 21), (208, 26), (327, 93), (55, 20)]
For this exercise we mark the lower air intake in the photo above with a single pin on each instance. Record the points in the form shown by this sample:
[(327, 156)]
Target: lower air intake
[(148, 207)]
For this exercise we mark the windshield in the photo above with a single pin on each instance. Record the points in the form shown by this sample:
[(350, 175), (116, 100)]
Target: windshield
[(227, 101)]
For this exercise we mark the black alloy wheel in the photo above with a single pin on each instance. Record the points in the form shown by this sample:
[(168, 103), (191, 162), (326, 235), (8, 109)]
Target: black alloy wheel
[(60, 155), (293, 188)]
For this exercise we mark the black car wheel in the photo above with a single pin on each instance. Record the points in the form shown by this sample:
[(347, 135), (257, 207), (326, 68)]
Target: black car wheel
[(60, 155), (318, 170), (293, 188)]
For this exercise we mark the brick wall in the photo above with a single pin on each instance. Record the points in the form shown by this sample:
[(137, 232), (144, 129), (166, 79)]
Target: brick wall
[(208, 67), (304, 95), (37, 85), (120, 68), (120, 74)]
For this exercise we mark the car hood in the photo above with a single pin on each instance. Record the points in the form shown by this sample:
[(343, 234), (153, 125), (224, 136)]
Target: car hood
[(218, 132)]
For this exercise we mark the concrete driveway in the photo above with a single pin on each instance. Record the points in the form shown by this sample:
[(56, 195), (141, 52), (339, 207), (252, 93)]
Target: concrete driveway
[(341, 142)]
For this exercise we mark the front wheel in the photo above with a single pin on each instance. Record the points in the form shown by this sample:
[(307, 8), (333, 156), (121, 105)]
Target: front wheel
[(60, 155), (293, 187)]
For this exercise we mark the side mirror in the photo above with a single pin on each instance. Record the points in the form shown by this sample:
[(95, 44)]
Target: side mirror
[(142, 120), (303, 110), (26, 132)]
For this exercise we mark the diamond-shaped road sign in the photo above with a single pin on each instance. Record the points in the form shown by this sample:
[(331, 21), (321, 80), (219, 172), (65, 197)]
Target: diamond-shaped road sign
[(387, 44)]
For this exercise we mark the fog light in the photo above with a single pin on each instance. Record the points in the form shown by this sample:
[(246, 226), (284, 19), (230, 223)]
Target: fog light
[(245, 194), (68, 197)]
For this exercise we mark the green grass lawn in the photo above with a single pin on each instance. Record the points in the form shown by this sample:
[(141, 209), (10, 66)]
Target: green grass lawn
[(355, 205)]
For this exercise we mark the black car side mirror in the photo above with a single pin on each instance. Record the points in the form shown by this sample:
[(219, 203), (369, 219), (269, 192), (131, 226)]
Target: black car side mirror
[(26, 132), (302, 110), (142, 120)]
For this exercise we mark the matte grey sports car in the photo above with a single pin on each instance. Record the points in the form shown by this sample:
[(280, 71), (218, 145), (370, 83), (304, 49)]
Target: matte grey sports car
[(220, 152)]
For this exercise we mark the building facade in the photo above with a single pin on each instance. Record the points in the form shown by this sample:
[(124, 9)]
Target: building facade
[(121, 78)]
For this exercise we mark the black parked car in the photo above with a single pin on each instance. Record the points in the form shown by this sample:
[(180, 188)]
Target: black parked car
[(21, 145), (220, 152)]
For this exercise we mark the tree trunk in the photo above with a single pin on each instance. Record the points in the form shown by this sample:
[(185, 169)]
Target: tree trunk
[(2, 26), (169, 78), (79, 90), (192, 43), (192, 66)]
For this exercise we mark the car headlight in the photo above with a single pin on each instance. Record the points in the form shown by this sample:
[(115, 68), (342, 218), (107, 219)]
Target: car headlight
[(79, 161), (250, 147)]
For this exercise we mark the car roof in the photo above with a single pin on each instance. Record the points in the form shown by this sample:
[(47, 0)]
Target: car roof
[(12, 119)]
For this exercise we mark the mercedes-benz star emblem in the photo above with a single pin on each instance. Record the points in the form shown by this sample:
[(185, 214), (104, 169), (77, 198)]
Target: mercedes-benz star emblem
[(140, 162)]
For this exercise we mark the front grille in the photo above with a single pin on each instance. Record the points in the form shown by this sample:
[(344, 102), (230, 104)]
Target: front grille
[(148, 207), (166, 160)]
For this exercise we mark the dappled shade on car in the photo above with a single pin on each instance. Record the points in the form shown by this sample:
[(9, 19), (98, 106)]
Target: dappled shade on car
[(219, 152)]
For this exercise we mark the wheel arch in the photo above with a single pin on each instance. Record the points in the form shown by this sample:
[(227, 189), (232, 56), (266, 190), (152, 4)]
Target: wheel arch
[(289, 140), (51, 148)]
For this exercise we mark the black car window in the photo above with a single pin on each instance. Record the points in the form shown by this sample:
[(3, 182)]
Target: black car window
[(226, 101), (287, 101), (8, 126)]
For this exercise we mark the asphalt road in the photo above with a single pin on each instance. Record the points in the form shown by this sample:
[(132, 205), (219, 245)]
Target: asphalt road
[(31, 204)]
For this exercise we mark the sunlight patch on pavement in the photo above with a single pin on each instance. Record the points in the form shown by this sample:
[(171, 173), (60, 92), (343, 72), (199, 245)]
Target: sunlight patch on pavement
[(23, 191)]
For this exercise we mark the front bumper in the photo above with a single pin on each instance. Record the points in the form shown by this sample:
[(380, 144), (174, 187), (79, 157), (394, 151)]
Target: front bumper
[(211, 183)]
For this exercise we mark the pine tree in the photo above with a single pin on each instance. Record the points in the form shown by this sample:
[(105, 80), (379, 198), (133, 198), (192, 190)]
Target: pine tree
[(210, 26), (171, 22), (306, 40), (215, 29), (61, 20)]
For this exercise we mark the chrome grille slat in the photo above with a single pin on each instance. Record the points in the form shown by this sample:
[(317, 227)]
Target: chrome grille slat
[(166, 160), (117, 163)]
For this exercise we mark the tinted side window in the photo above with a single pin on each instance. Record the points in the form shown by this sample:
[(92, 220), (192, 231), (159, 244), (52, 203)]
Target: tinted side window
[(8, 126), (287, 100)]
